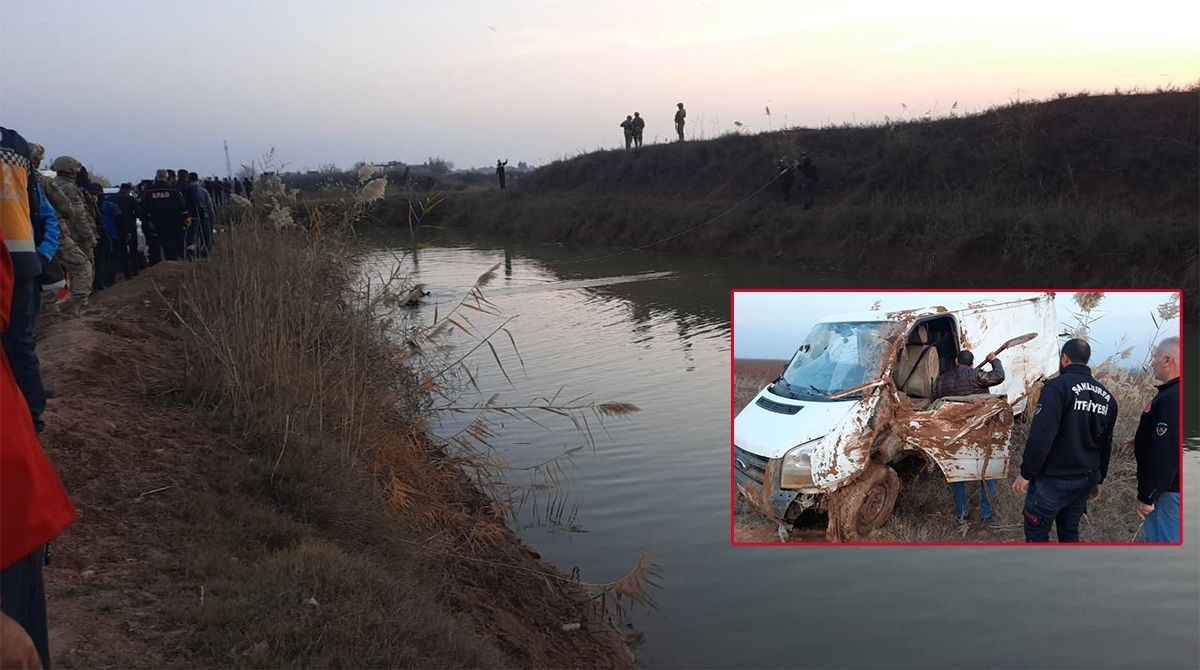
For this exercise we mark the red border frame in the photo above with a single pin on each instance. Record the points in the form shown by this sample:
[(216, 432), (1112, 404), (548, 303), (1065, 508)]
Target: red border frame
[(732, 358)]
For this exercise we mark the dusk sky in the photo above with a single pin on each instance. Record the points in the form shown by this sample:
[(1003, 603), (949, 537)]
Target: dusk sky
[(130, 86)]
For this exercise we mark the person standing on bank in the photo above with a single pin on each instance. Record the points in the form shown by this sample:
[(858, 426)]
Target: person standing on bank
[(627, 126), (639, 126), (1156, 449), (680, 116), (500, 172), (1070, 441)]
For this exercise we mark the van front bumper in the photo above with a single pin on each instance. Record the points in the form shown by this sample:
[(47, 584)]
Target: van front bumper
[(757, 478)]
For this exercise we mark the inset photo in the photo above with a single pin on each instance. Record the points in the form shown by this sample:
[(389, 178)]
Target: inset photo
[(956, 417)]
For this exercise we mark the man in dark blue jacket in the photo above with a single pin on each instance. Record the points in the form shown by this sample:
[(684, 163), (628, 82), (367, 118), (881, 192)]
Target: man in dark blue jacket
[(1069, 444), (1156, 447)]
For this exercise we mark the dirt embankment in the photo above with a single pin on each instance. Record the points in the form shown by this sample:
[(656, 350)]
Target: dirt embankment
[(1081, 191), (199, 547)]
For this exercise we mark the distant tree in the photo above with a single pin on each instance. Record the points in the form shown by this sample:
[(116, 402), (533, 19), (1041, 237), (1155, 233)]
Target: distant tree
[(439, 167)]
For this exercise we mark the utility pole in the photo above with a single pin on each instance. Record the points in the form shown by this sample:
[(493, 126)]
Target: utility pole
[(228, 166)]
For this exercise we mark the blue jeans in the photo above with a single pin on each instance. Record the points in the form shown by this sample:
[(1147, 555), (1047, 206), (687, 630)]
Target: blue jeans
[(20, 347), (959, 489), (1162, 525), (23, 597), (1060, 501)]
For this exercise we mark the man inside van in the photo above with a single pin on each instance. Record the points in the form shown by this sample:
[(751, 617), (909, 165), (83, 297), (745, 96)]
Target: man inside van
[(964, 379), (1067, 454)]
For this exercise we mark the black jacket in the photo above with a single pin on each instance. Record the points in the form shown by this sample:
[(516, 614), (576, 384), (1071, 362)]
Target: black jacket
[(164, 206), (1156, 445), (1072, 428)]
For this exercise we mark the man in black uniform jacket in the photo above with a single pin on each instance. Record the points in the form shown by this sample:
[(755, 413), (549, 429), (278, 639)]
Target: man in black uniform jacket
[(1156, 448), (164, 205), (1069, 444)]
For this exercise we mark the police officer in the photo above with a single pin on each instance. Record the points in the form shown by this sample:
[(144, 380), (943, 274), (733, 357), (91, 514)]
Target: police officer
[(164, 206), (1156, 448), (1067, 453)]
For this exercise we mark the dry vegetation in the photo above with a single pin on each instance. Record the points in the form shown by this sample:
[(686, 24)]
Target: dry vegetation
[(1083, 190), (263, 490)]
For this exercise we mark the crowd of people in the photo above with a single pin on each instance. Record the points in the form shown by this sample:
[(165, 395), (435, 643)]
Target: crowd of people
[(64, 237)]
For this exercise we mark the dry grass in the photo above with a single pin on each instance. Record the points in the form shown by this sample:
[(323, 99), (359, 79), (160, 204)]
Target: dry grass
[(1083, 191), (302, 362)]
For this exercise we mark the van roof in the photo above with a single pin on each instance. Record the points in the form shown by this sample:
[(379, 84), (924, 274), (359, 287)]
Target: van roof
[(930, 310)]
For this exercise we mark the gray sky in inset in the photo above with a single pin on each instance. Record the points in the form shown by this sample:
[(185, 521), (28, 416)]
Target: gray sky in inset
[(129, 86), (772, 325)]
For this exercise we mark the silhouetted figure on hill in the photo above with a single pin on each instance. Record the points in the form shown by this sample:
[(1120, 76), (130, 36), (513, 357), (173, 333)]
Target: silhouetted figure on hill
[(808, 179), (680, 116), (639, 125), (500, 173), (787, 176), (627, 126)]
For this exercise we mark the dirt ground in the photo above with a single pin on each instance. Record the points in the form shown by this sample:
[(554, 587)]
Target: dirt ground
[(924, 510), (181, 558)]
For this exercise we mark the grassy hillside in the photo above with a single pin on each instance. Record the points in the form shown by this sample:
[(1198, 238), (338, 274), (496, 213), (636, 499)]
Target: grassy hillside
[(1136, 149), (1078, 191)]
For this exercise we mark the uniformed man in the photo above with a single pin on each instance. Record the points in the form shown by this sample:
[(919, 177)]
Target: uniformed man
[(1067, 453), (28, 226), (680, 116), (63, 191), (639, 125), (131, 258), (166, 210), (627, 126), (1156, 448)]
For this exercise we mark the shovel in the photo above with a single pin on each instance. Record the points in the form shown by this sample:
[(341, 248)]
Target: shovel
[(1020, 339)]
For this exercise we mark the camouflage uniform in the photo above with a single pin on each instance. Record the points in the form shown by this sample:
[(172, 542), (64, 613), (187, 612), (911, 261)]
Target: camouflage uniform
[(78, 237)]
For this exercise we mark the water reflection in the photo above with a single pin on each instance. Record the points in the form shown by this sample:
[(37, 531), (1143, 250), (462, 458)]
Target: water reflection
[(659, 482)]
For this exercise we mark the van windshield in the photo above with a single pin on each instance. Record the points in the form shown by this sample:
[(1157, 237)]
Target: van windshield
[(836, 357)]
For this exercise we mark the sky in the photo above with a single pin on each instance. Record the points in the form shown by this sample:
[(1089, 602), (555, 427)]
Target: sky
[(131, 86), (772, 325)]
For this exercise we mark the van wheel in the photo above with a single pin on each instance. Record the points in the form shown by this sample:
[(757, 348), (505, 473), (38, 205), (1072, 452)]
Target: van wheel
[(860, 508)]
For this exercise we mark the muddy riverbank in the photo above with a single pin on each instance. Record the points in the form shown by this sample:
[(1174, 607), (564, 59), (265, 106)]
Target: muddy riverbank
[(203, 542)]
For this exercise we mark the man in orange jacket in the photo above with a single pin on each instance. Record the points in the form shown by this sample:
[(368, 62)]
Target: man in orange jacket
[(34, 509)]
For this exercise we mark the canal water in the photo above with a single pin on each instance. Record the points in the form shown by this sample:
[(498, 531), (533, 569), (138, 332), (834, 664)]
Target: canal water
[(654, 331)]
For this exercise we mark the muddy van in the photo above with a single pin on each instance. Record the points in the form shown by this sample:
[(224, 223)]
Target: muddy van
[(855, 405)]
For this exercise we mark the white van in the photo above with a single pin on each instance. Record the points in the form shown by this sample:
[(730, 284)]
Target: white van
[(856, 401)]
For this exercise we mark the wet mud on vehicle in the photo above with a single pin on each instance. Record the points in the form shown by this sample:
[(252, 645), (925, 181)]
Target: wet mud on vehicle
[(856, 403)]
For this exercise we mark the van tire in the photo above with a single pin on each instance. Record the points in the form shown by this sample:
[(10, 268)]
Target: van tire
[(863, 506)]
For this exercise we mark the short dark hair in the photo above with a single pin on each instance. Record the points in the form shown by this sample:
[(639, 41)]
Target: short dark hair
[(1077, 350), (965, 358)]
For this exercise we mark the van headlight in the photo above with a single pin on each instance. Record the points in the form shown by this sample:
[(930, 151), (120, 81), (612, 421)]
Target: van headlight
[(796, 471)]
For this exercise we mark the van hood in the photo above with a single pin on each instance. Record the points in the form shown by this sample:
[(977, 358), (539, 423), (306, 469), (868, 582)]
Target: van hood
[(768, 433)]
